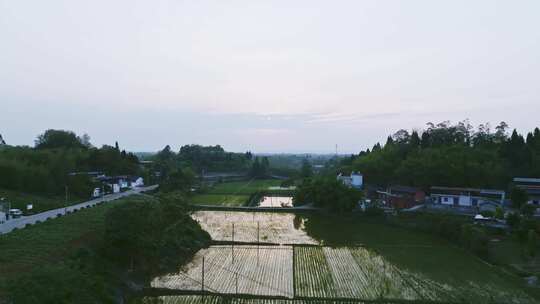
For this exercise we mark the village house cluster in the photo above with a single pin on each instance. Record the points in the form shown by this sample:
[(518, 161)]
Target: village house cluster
[(463, 200)]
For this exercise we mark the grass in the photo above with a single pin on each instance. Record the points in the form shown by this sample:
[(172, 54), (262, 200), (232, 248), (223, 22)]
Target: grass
[(219, 199), (40, 202), (244, 187), (52, 241), (428, 256)]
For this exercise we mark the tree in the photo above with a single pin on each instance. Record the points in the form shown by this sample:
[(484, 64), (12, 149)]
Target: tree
[(2, 141), (55, 139), (499, 213), (415, 140), (307, 170), (327, 193), (143, 233), (518, 197), (532, 243)]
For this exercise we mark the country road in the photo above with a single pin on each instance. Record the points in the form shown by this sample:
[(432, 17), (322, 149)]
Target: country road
[(50, 214)]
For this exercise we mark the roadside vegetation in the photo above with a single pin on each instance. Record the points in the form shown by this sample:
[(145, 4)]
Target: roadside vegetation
[(47, 168), (85, 257), (40, 202)]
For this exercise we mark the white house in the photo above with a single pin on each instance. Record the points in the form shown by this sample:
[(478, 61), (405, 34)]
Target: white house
[(355, 180), (137, 182), (466, 197)]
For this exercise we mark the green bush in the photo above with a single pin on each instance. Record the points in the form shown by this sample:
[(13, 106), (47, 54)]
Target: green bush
[(479, 242), (57, 285), (532, 243), (149, 233)]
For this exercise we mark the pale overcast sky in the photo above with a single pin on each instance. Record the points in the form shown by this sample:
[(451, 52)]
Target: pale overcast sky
[(266, 76)]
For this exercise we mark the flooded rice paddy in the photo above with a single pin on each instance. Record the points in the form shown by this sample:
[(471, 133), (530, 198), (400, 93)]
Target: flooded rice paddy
[(294, 264), (277, 228), (276, 201), (319, 272)]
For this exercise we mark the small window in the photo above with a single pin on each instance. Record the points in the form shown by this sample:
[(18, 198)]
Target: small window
[(445, 199)]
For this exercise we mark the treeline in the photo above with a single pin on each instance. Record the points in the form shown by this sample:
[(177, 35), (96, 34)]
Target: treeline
[(46, 167), (450, 155), (204, 158)]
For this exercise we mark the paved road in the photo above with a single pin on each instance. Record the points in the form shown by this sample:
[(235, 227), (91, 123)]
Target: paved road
[(43, 216)]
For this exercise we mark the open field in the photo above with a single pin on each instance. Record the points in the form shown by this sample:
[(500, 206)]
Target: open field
[(40, 202), (53, 240), (228, 200), (244, 187), (325, 272)]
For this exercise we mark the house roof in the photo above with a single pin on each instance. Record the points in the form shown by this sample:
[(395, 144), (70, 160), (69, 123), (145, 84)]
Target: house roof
[(526, 180), (403, 189), (457, 190)]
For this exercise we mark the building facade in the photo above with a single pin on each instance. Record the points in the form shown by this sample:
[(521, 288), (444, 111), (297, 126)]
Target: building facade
[(355, 180), (531, 186), (466, 197), (402, 197)]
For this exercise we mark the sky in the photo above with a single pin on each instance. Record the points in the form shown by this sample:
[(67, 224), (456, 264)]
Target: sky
[(265, 76)]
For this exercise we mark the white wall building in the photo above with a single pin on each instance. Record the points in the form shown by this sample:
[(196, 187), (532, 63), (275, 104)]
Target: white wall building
[(355, 180), (466, 197)]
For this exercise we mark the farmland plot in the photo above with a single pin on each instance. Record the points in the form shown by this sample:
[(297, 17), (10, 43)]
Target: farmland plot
[(182, 300), (263, 271), (349, 279), (313, 275), (279, 228), (385, 279)]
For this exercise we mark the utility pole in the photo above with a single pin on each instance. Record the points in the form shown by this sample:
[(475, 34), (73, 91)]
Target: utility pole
[(293, 272), (66, 202), (232, 245), (202, 275), (257, 243)]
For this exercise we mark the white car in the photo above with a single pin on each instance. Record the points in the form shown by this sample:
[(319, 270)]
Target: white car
[(15, 213)]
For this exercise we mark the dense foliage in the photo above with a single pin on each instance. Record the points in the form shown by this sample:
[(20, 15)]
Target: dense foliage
[(328, 193), (450, 155), (212, 158), (147, 234), (260, 168), (46, 168)]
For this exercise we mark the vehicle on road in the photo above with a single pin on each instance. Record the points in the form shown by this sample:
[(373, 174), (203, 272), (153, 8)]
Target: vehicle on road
[(15, 213)]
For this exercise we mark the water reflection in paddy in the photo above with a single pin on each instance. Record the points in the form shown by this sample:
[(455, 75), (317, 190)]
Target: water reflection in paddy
[(276, 201), (279, 228)]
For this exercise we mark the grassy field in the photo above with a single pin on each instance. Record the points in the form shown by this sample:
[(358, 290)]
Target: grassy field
[(53, 240), (40, 202), (245, 187), (219, 199), (233, 194)]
